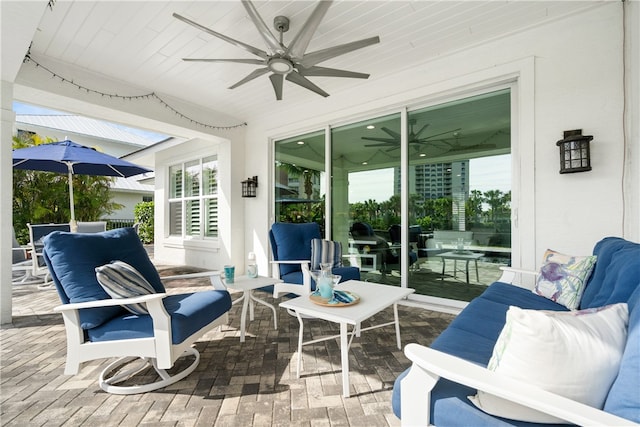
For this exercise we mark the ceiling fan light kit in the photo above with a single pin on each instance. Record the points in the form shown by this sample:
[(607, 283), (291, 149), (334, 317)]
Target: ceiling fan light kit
[(290, 63)]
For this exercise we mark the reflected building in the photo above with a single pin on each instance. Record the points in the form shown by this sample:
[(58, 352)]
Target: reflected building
[(438, 180)]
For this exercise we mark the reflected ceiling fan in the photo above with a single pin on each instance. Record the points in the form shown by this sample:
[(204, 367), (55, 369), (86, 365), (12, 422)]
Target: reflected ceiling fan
[(287, 62), (457, 147), (393, 143)]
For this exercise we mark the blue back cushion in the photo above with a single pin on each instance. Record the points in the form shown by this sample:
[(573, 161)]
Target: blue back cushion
[(73, 257), (624, 396), (291, 242), (616, 274)]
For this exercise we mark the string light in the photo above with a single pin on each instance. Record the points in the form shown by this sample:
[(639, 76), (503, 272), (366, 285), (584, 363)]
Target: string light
[(151, 95)]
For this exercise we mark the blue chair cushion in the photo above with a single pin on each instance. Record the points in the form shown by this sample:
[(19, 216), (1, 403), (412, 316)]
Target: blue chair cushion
[(73, 257), (189, 313), (292, 242)]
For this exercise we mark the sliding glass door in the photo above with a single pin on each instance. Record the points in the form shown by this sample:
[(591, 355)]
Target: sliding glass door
[(439, 222), (459, 194), (365, 195)]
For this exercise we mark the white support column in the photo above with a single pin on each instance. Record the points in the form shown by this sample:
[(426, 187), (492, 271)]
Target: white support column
[(7, 120)]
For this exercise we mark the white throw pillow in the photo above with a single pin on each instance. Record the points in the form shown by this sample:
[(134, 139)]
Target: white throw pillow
[(120, 280), (563, 277), (574, 354)]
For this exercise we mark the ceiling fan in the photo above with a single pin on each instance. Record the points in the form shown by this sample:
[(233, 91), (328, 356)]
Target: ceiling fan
[(287, 62), (393, 143)]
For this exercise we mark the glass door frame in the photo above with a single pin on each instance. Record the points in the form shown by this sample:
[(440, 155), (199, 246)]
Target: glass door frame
[(510, 82)]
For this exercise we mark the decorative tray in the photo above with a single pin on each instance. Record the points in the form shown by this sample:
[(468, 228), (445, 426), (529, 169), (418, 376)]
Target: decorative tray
[(340, 299)]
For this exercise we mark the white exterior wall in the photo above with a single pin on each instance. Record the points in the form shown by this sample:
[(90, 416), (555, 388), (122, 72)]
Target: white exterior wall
[(210, 253), (129, 200), (569, 76)]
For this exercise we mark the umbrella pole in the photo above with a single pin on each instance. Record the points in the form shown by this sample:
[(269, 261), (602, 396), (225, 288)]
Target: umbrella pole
[(72, 224)]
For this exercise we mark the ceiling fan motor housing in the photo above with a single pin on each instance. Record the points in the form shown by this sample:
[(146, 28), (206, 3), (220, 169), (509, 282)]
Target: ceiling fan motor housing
[(281, 23)]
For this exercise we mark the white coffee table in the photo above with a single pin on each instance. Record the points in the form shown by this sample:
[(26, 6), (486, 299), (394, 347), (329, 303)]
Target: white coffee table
[(373, 299), (247, 284)]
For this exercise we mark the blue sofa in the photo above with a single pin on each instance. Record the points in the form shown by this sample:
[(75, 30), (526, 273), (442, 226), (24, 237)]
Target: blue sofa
[(471, 337)]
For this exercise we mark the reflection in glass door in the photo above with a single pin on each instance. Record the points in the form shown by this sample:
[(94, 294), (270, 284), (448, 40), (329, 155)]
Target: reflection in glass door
[(460, 194), (299, 179), (366, 211), (457, 223)]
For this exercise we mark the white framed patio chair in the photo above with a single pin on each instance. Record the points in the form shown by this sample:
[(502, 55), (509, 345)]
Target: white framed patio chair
[(21, 265), (37, 232), (146, 330), (291, 247), (91, 226)]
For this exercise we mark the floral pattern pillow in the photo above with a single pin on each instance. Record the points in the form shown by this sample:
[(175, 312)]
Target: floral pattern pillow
[(563, 277)]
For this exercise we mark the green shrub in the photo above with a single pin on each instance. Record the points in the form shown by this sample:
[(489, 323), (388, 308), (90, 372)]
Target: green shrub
[(143, 214)]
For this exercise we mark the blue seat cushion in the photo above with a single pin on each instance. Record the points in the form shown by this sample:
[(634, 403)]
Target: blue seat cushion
[(73, 257), (347, 273), (472, 336), (292, 242), (189, 313)]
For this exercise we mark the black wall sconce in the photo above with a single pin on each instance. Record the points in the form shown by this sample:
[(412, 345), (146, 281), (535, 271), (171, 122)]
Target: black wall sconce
[(249, 187), (575, 155)]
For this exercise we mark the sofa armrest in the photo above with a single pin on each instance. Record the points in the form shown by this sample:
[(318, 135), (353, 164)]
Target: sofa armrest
[(516, 276), (429, 365)]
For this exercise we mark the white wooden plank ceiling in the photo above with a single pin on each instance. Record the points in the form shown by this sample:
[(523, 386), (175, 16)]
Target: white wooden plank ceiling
[(142, 44)]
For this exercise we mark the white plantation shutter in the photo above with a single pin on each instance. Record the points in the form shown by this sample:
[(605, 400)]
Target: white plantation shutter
[(193, 199)]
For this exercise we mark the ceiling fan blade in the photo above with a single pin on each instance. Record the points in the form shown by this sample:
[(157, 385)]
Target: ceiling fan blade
[(300, 80), (255, 73), (330, 72), (393, 134), (248, 48), (237, 61), (277, 80), (378, 145), (426, 139), (299, 44), (463, 149), (318, 56), (385, 140), (265, 32), (422, 129)]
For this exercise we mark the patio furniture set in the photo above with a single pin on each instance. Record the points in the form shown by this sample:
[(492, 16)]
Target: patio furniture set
[(123, 311)]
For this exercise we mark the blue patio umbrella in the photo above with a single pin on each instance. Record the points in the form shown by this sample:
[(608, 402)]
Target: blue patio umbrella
[(73, 159)]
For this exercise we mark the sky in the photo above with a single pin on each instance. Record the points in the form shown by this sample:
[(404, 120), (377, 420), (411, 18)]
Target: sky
[(487, 173), (20, 108)]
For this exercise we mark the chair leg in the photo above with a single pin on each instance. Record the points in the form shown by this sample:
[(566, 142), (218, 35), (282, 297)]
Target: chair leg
[(108, 384)]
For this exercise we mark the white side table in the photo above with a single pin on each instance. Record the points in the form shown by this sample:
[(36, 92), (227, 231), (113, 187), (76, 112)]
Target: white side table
[(460, 256), (247, 285)]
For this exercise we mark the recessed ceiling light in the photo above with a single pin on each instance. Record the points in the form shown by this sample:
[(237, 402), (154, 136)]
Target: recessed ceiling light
[(365, 163), (300, 142), (423, 155), (371, 127)]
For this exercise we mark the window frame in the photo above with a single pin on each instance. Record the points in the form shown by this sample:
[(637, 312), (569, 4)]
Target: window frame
[(183, 199)]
